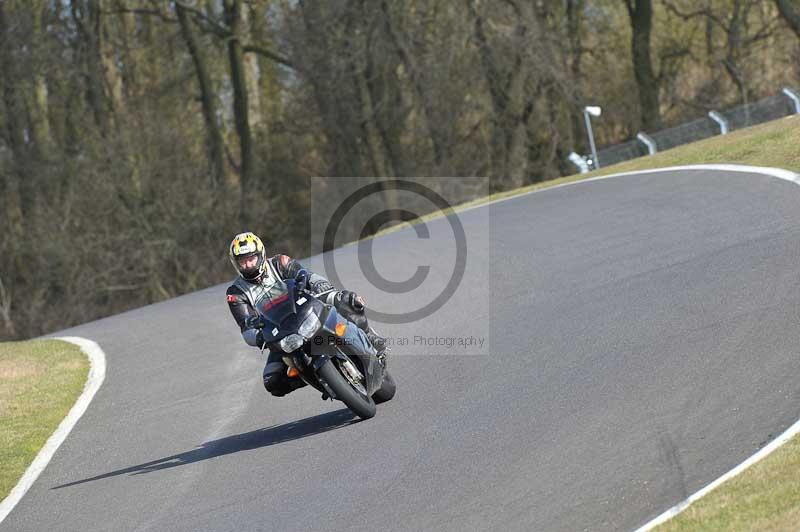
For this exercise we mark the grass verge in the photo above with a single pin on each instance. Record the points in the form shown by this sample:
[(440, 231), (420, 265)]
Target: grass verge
[(767, 495), (40, 380), (772, 144)]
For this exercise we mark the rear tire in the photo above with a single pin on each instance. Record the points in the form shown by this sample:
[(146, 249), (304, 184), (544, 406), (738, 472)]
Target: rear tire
[(386, 391), (362, 406)]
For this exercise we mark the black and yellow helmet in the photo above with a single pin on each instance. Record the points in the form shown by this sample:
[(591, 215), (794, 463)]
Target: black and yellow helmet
[(245, 246)]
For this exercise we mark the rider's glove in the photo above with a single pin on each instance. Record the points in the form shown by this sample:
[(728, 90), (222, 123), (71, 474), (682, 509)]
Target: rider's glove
[(352, 299), (302, 279), (254, 322)]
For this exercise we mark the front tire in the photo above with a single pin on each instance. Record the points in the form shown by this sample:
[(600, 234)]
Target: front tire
[(362, 406), (386, 391)]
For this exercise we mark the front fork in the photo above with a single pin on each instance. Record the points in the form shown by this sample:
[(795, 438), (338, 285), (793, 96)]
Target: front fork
[(308, 368), (359, 348)]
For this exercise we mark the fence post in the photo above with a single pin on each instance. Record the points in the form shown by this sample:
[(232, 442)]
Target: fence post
[(648, 141), (594, 111), (578, 161), (721, 120), (794, 97)]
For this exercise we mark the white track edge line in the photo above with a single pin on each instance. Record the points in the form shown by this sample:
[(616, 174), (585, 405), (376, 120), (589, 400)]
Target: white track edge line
[(97, 370), (786, 175), (779, 173), (681, 506), (97, 373)]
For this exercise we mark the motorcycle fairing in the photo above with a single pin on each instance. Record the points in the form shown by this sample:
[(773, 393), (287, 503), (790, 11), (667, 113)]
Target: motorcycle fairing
[(345, 348), (276, 303)]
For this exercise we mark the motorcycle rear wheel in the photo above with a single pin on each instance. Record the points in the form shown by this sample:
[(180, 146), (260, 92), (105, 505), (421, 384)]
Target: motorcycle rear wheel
[(361, 405)]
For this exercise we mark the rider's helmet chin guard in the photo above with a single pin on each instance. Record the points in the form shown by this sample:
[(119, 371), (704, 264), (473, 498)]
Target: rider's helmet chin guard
[(244, 246)]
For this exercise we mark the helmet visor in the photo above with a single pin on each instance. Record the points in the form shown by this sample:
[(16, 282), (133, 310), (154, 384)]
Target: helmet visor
[(248, 263)]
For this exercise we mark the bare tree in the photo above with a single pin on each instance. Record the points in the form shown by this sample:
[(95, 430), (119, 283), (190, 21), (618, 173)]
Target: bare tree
[(641, 18), (216, 147), (241, 108), (13, 106), (507, 80), (790, 11), (122, 123), (422, 90), (574, 32), (37, 97), (87, 18), (744, 23)]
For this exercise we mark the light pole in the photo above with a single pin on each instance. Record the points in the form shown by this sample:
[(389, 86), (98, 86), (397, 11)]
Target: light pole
[(595, 112)]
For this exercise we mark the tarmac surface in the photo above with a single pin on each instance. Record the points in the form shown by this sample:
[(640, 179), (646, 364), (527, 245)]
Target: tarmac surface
[(640, 338)]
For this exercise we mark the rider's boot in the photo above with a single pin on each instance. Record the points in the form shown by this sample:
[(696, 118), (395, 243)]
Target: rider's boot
[(379, 343)]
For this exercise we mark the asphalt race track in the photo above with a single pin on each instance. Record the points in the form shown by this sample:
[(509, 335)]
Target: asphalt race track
[(642, 336)]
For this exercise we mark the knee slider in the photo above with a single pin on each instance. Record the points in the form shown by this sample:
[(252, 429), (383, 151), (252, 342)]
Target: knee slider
[(272, 383)]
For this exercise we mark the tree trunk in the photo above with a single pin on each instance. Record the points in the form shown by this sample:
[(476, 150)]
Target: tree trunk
[(790, 11), (14, 129), (734, 44), (511, 106), (127, 28), (252, 75), (326, 63), (233, 14), (381, 163), (87, 17), (216, 148), (378, 151), (641, 16), (112, 77), (38, 100), (415, 72), (573, 8), (384, 86)]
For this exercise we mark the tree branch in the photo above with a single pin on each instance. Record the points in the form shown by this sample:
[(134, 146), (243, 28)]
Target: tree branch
[(269, 54), (139, 11), (225, 33), (764, 33), (629, 6), (212, 25), (705, 12), (790, 14)]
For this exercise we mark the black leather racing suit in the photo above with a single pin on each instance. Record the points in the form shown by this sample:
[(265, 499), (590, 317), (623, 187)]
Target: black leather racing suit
[(284, 267)]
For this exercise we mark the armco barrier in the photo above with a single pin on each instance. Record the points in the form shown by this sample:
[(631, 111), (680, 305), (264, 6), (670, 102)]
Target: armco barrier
[(764, 110)]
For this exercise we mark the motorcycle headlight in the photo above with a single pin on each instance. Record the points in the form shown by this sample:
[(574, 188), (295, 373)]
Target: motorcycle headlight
[(309, 326), (292, 343)]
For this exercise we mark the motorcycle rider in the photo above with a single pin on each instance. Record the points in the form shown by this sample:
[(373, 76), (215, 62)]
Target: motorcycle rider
[(256, 273)]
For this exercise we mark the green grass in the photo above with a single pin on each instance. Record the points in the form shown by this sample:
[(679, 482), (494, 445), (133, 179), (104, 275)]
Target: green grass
[(39, 382), (772, 144), (775, 144), (766, 496)]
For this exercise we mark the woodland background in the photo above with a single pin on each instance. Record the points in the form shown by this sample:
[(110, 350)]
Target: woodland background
[(136, 137)]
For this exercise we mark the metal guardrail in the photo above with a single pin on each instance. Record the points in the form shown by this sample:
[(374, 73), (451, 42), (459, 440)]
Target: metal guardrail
[(787, 102), (621, 152)]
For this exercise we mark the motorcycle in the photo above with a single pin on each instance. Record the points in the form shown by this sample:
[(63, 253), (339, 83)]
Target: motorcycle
[(323, 348)]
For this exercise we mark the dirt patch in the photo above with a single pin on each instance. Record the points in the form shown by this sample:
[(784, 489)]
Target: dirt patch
[(13, 370)]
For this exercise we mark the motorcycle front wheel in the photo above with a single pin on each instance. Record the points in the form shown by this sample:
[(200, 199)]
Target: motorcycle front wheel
[(386, 391), (362, 405)]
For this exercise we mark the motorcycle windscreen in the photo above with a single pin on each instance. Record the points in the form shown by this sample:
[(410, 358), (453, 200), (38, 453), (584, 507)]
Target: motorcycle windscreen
[(277, 302)]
